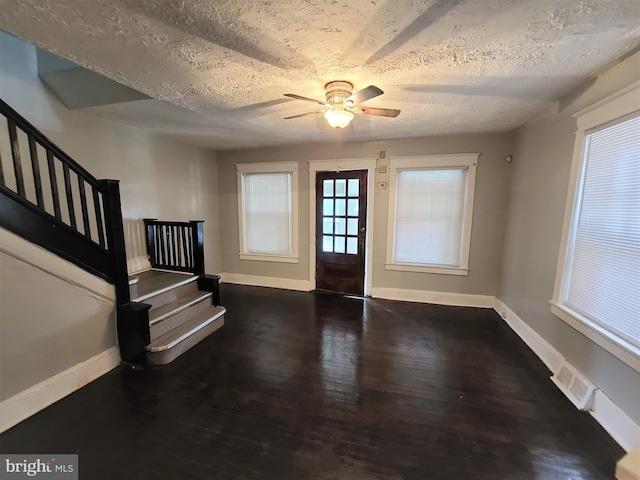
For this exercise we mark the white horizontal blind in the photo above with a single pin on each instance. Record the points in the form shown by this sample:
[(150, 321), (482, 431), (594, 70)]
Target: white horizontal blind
[(429, 216), (603, 281), (267, 213)]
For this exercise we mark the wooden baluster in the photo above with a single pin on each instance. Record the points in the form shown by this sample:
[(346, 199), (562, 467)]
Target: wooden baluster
[(178, 250), (156, 230), (67, 187), (184, 246), (54, 185), (35, 167), (163, 242), (1, 172), (169, 245), (174, 244), (83, 206), (98, 211), (190, 247), (150, 236), (15, 151)]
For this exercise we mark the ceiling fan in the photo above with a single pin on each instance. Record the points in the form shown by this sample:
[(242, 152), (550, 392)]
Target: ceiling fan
[(342, 104)]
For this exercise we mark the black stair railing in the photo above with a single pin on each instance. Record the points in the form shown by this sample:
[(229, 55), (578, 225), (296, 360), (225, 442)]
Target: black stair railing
[(177, 246), (52, 201)]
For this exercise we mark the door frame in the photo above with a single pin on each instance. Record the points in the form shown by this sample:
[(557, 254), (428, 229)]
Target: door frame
[(368, 164)]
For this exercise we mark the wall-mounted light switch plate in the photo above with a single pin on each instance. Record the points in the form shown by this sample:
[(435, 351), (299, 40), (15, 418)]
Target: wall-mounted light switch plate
[(382, 169)]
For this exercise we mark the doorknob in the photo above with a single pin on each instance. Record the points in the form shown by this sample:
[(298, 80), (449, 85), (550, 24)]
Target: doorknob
[(362, 229)]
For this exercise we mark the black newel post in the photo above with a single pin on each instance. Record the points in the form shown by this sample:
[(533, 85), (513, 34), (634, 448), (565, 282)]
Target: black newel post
[(115, 238), (150, 235), (198, 246)]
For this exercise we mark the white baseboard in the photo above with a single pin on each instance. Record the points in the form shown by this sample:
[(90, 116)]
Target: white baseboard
[(543, 349), (440, 298), (30, 401), (272, 282), (617, 423), (623, 430)]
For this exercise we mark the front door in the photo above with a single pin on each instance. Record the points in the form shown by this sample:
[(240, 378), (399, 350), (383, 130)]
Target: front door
[(341, 212)]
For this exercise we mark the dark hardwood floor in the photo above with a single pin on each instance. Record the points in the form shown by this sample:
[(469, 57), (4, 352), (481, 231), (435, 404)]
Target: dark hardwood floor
[(318, 386)]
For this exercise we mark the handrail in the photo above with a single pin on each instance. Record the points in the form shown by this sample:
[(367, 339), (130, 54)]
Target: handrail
[(24, 125), (177, 246), (54, 202)]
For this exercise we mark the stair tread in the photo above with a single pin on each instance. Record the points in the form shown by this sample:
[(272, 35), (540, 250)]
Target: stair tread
[(191, 326), (161, 313), (155, 282)]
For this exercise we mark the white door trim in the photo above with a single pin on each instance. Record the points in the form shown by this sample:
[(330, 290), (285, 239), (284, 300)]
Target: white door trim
[(342, 165)]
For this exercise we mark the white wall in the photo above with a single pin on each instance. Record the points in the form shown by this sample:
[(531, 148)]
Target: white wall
[(541, 167), (159, 177), (53, 315), (486, 237)]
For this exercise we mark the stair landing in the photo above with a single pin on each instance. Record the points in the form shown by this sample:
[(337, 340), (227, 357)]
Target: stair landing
[(180, 314)]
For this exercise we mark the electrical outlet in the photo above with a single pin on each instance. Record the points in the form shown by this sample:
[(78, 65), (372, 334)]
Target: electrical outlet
[(381, 186)]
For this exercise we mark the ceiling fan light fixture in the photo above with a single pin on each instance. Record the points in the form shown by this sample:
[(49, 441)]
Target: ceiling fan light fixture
[(338, 118)]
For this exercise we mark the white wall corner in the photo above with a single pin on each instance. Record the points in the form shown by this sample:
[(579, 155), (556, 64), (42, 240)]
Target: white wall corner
[(138, 264), (271, 282), (612, 418), (438, 298), (21, 406)]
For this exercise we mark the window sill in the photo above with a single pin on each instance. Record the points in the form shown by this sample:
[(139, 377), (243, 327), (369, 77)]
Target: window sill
[(616, 346), (268, 258), (412, 267)]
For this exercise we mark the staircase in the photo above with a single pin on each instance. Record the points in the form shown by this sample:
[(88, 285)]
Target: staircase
[(180, 316), (49, 199)]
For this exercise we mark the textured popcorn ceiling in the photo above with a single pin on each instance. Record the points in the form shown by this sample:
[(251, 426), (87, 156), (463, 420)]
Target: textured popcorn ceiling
[(217, 70)]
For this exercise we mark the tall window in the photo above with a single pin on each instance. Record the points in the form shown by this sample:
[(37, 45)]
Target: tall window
[(598, 284), (267, 204), (430, 210)]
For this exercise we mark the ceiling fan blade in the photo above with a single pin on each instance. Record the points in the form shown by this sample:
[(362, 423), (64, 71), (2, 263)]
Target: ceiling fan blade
[(304, 115), (298, 97), (381, 112), (365, 94)]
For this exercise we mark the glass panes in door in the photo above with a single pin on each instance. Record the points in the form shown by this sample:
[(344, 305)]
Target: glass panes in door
[(340, 216)]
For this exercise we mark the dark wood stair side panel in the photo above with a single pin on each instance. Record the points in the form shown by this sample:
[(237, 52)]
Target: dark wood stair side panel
[(26, 220)]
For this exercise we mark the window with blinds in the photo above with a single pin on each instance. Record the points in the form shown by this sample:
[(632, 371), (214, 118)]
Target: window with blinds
[(267, 215), (602, 272), (430, 208), (267, 201), (429, 216)]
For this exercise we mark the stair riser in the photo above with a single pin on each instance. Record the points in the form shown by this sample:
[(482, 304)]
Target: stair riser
[(171, 295), (167, 356), (179, 318)]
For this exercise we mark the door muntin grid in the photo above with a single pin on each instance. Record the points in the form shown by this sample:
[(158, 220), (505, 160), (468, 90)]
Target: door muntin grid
[(340, 210)]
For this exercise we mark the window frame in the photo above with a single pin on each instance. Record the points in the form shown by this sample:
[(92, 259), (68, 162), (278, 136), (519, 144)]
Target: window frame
[(610, 110), (429, 162), (268, 168)]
